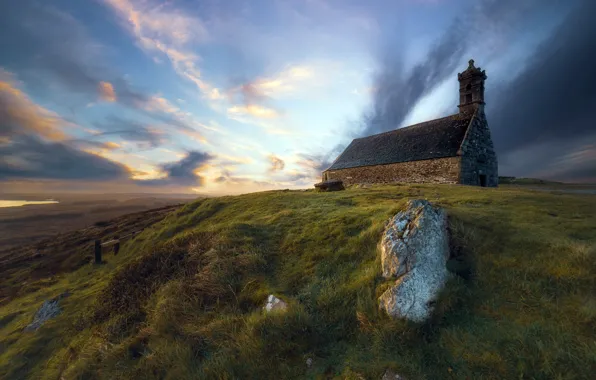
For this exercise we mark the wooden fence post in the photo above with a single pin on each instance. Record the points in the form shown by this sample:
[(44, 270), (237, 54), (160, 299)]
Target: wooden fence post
[(97, 251), (116, 245)]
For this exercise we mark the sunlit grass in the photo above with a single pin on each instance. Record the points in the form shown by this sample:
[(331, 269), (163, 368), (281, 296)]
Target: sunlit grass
[(184, 299)]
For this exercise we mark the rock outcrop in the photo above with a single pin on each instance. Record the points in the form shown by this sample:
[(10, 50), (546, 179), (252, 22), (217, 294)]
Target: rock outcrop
[(330, 185), (414, 250)]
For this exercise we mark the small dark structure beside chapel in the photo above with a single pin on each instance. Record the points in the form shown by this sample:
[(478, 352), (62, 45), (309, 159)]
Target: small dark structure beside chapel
[(453, 149), (331, 185)]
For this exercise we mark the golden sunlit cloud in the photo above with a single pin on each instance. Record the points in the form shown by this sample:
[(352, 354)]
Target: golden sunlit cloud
[(287, 81), (201, 169), (106, 92), (137, 166), (161, 104), (147, 172), (196, 136), (29, 116), (235, 160), (112, 145), (276, 163), (253, 110)]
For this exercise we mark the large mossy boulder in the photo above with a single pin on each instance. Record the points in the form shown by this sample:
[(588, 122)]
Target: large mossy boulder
[(414, 251)]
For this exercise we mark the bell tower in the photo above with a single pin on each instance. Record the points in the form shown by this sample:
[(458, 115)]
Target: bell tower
[(471, 89)]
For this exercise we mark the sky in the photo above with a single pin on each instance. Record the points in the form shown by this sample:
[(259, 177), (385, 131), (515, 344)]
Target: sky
[(225, 97)]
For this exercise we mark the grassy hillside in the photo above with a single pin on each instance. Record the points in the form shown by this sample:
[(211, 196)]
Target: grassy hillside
[(526, 181), (183, 300)]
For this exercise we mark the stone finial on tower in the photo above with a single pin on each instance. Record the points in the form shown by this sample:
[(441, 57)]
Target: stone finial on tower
[(471, 88)]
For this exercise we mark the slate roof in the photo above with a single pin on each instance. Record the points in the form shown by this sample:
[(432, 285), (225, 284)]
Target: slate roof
[(432, 139)]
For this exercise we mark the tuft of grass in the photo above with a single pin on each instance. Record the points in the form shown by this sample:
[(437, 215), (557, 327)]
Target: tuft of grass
[(184, 299)]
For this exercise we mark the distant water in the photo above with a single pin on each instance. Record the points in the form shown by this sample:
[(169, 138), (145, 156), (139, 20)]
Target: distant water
[(12, 203)]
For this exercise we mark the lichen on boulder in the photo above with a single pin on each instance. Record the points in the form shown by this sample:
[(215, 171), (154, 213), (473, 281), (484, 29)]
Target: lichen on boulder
[(414, 251)]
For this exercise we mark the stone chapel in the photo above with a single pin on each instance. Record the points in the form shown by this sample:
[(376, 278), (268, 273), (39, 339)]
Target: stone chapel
[(455, 149)]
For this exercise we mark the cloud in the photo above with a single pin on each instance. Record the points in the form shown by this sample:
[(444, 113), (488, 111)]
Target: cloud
[(173, 116), (548, 107), (396, 91), (578, 165), (91, 146), (257, 97), (110, 145), (184, 172), (157, 22), (34, 144), (554, 96), (315, 164), (242, 184), (286, 82), (106, 92), (51, 49), (569, 160), (30, 157), (19, 115), (276, 163), (263, 90), (144, 136), (162, 29), (253, 110)]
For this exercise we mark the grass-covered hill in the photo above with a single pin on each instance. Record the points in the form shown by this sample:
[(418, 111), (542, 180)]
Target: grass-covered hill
[(184, 299)]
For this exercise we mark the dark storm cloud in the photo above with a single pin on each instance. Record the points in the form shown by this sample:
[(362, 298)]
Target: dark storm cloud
[(30, 157), (397, 92), (182, 173), (585, 174), (554, 97), (542, 120), (130, 130)]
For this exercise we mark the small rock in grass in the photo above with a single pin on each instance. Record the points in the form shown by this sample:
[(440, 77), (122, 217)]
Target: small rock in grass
[(274, 303), (48, 310), (390, 375)]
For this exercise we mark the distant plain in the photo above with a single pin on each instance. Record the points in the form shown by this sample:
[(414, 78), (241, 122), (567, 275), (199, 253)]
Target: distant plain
[(35, 222)]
